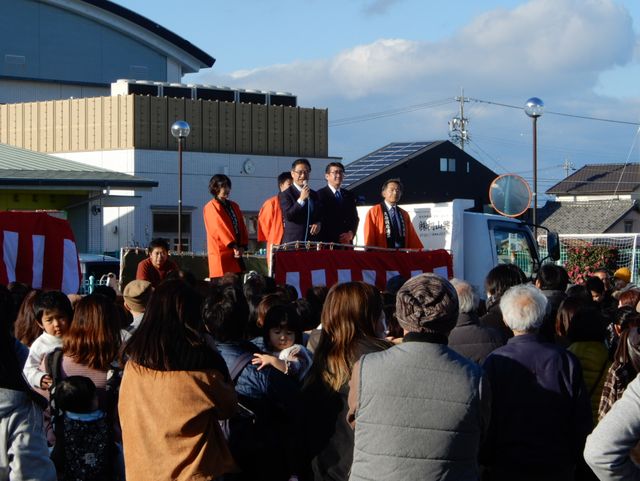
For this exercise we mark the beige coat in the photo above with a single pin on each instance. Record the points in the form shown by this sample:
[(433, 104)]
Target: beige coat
[(170, 426)]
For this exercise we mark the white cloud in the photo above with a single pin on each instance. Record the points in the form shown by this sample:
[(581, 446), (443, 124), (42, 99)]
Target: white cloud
[(554, 49), (536, 45)]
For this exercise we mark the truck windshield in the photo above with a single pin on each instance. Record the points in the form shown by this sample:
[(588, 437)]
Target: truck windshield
[(513, 247)]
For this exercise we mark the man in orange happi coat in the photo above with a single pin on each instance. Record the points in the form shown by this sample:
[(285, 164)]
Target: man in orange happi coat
[(227, 236), (387, 225), (270, 222)]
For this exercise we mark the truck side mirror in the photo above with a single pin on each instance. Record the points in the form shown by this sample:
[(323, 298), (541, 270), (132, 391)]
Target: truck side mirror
[(553, 245)]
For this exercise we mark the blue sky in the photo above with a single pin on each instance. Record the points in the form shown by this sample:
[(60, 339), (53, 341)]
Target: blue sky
[(362, 57)]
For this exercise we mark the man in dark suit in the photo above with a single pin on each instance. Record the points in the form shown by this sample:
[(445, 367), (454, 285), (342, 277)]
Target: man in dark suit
[(339, 213), (301, 208)]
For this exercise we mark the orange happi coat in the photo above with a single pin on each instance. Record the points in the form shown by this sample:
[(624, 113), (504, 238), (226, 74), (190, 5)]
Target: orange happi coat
[(376, 236), (270, 224), (220, 236)]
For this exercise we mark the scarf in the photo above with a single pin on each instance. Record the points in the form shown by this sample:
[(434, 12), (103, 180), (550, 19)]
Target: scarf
[(393, 237), (228, 208)]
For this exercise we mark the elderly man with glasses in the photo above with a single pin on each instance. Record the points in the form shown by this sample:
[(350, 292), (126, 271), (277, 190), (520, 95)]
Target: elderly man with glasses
[(301, 207), (387, 225)]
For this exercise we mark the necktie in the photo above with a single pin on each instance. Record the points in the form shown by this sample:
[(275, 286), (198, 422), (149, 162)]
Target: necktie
[(338, 196), (393, 214)]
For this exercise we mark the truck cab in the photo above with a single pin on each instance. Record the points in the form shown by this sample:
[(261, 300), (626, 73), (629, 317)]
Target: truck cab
[(490, 240)]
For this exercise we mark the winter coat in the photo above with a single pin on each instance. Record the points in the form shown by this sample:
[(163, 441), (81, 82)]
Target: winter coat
[(594, 359), (23, 448), (472, 340)]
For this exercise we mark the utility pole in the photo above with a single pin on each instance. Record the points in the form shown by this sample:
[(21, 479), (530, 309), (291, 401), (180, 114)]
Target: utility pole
[(458, 124), (568, 166)]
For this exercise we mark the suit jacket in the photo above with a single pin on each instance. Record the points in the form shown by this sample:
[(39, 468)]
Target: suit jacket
[(376, 236), (337, 217), (296, 215)]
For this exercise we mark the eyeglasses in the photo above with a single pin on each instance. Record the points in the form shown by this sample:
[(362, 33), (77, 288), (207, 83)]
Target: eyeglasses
[(301, 172), (336, 173)]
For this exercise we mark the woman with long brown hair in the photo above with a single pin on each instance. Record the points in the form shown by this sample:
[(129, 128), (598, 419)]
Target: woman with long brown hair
[(175, 389), (26, 328), (91, 346), (352, 325)]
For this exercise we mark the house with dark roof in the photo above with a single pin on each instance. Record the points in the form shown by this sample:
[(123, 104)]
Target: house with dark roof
[(35, 181), (596, 199), (435, 171)]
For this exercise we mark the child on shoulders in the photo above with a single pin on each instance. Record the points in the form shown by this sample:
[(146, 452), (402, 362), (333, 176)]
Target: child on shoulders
[(53, 314), (283, 340)]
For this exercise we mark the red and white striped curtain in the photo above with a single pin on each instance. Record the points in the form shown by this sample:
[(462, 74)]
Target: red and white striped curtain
[(304, 269), (39, 250)]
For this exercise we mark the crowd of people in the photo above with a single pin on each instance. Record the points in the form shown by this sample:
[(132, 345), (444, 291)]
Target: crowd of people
[(233, 380), (236, 378)]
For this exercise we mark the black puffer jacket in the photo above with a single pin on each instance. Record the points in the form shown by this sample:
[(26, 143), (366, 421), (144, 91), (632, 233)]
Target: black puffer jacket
[(493, 318), (474, 341)]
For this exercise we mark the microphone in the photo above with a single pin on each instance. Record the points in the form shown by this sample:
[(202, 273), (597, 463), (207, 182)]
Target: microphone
[(305, 183)]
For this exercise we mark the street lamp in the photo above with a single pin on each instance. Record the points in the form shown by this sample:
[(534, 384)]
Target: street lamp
[(180, 130), (534, 108)]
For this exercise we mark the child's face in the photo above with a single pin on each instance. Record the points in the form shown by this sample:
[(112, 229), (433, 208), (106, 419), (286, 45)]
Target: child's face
[(54, 322), (281, 338)]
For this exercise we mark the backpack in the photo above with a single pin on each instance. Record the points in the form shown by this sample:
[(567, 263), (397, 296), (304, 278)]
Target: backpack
[(242, 429), (84, 450)]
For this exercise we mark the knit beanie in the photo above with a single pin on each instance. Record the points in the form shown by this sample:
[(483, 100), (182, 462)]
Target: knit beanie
[(427, 303)]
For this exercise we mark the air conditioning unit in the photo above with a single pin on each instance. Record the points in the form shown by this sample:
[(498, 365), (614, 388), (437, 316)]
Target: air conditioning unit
[(211, 92), (284, 99), (178, 91), (137, 87), (252, 97)]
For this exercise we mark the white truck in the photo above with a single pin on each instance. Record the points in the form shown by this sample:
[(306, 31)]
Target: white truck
[(477, 242)]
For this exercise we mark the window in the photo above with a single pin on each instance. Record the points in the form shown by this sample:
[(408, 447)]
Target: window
[(628, 226), (447, 165), (512, 247), (165, 225)]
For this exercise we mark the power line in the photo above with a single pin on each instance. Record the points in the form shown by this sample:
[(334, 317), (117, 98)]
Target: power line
[(562, 114), (388, 113), (473, 144)]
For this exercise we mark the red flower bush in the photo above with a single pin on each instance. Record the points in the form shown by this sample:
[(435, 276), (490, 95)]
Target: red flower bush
[(583, 260)]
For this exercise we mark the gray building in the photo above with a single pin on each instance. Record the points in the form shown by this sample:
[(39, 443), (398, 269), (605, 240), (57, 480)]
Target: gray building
[(57, 49)]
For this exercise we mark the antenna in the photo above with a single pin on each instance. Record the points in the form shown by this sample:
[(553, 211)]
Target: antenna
[(567, 166), (458, 132)]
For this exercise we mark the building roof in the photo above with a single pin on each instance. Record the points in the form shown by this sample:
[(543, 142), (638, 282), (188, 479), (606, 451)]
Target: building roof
[(121, 18), (154, 28), (20, 167), (384, 159), (597, 179), (592, 217)]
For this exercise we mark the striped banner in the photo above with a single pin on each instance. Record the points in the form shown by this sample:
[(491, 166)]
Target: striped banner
[(304, 269), (38, 250)]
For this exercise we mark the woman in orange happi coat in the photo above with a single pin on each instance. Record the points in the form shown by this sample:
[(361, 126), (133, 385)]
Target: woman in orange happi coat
[(227, 236)]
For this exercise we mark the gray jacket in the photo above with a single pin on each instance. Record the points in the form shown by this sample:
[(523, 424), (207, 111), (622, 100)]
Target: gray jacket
[(421, 414), (23, 448), (608, 447)]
